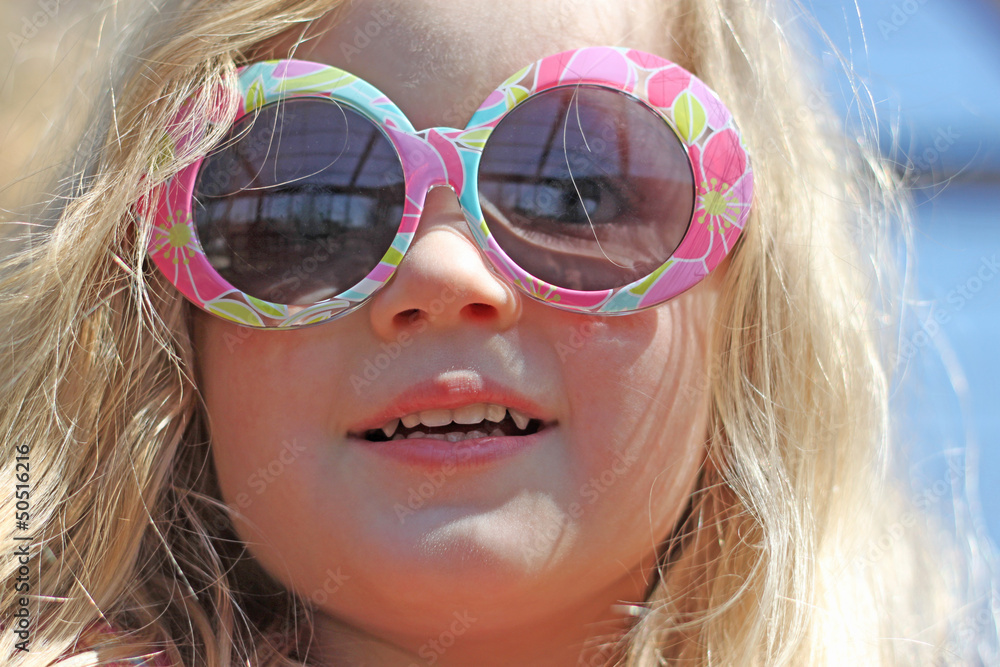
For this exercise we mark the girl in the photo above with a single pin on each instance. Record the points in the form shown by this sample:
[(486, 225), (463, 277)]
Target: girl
[(520, 441)]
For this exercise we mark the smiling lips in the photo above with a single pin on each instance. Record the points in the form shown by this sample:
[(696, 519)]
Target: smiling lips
[(454, 409), (457, 420), (477, 420)]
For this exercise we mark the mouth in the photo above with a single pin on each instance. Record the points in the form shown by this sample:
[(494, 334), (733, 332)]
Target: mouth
[(468, 422)]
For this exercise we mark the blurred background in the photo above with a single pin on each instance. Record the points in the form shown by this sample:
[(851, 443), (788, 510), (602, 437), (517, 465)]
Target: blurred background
[(931, 70), (44, 44)]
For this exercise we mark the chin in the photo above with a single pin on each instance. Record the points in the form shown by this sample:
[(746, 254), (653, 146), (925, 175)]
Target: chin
[(497, 551)]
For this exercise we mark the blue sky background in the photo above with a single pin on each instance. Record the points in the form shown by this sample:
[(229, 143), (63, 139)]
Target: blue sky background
[(932, 68)]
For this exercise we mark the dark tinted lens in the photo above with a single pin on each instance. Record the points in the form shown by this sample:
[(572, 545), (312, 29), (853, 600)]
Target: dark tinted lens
[(586, 187), (301, 201)]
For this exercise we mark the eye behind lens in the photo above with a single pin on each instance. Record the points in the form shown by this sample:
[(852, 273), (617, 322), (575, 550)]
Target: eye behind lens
[(586, 187)]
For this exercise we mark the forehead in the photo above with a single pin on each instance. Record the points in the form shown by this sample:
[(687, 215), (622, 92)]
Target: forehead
[(439, 60)]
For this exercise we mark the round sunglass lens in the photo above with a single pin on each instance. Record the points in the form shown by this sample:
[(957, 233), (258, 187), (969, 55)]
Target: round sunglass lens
[(586, 187), (300, 202)]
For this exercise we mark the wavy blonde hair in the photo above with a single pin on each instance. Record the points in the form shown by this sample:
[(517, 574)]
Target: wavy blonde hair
[(768, 566)]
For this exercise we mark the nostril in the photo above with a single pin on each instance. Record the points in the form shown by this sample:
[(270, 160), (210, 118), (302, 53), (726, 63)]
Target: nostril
[(408, 316), (480, 311), (471, 312)]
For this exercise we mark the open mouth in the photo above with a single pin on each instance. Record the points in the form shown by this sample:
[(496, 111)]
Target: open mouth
[(467, 423)]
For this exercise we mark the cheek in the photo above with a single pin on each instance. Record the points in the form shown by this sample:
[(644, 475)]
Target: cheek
[(271, 383), (266, 421), (634, 376), (639, 407)]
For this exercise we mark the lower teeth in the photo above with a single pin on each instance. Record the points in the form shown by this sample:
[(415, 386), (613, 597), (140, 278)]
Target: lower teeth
[(454, 436)]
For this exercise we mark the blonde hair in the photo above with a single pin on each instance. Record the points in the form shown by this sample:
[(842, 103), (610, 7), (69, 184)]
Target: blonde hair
[(767, 567)]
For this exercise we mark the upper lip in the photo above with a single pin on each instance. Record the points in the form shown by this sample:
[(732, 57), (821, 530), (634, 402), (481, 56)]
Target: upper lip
[(449, 394)]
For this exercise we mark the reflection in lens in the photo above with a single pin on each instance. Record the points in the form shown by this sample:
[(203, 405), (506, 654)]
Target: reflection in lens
[(301, 201), (586, 187)]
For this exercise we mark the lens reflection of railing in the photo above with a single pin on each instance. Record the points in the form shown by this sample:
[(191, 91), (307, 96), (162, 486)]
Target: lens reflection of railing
[(300, 238)]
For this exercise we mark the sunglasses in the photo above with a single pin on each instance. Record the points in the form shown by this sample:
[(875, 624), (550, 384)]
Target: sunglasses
[(600, 180)]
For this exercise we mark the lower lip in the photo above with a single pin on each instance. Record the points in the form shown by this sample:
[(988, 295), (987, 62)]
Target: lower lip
[(468, 454)]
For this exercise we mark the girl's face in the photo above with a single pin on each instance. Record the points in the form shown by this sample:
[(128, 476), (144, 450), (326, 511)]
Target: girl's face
[(542, 535)]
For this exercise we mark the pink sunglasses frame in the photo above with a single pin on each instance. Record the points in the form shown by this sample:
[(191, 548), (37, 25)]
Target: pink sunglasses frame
[(447, 156)]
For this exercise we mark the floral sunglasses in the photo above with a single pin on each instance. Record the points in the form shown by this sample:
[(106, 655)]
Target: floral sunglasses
[(600, 180)]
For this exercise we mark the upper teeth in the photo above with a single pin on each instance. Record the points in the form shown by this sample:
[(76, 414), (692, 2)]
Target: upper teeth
[(467, 414)]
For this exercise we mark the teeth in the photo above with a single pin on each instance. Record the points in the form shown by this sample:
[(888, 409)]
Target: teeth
[(435, 417), (519, 418), (470, 414), (495, 413), (466, 415)]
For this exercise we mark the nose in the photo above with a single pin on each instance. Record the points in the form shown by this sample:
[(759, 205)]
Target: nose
[(443, 281)]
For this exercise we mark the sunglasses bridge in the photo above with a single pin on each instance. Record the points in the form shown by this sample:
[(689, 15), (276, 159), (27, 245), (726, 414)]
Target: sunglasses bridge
[(434, 158)]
